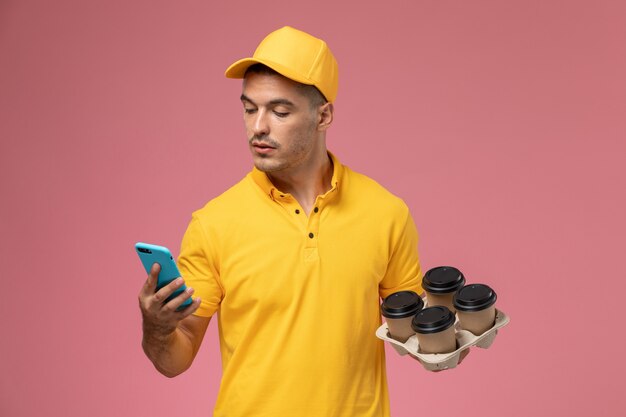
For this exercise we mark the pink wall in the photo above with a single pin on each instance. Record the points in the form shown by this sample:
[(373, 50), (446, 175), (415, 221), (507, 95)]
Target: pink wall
[(501, 123)]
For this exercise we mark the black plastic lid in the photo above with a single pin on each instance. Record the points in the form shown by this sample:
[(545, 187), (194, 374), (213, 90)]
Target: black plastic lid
[(474, 297), (401, 304), (433, 320), (443, 279)]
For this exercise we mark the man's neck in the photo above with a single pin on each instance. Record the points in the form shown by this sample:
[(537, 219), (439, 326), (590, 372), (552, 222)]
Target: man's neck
[(306, 183)]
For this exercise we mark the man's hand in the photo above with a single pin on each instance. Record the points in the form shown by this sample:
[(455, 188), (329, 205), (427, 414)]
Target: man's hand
[(167, 341), (159, 319)]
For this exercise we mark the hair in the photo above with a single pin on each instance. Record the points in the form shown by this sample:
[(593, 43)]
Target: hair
[(315, 96)]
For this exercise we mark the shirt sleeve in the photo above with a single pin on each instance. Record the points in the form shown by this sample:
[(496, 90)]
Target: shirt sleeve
[(198, 266), (403, 272)]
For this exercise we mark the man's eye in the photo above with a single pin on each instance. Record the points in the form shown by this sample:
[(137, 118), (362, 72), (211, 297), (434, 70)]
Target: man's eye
[(280, 114), (249, 111)]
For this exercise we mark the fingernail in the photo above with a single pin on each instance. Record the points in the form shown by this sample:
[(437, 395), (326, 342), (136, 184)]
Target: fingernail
[(179, 281), (189, 290)]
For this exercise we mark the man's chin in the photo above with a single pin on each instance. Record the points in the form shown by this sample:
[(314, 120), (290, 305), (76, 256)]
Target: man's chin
[(265, 164)]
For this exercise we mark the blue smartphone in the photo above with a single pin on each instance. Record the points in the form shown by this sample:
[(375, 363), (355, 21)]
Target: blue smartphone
[(150, 254)]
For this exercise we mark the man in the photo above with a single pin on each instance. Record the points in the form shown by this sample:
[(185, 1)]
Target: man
[(294, 258)]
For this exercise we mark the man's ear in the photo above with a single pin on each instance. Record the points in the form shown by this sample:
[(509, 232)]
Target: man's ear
[(325, 116)]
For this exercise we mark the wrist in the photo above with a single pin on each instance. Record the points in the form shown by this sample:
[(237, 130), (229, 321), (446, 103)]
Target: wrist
[(157, 340)]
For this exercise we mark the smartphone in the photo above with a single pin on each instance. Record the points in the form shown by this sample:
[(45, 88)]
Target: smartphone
[(150, 254)]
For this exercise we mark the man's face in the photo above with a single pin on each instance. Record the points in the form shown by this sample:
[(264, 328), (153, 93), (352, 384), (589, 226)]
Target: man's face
[(280, 124)]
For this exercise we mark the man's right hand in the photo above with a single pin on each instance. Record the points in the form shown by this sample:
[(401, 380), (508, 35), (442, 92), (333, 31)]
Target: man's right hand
[(159, 319), (171, 338)]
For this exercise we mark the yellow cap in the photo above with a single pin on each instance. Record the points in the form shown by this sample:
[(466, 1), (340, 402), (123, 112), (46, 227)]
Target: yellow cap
[(296, 55)]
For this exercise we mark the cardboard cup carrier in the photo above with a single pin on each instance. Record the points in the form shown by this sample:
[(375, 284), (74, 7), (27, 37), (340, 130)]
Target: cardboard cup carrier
[(464, 338)]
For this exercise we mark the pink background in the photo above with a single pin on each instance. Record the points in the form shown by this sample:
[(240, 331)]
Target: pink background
[(501, 123)]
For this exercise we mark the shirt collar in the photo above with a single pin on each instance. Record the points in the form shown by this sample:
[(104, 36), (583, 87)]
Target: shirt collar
[(261, 179)]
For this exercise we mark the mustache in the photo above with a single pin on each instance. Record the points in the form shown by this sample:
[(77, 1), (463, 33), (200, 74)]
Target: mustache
[(266, 140)]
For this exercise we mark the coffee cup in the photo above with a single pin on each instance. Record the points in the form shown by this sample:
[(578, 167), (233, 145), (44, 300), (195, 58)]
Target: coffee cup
[(398, 310), (440, 284), (475, 306), (434, 328)]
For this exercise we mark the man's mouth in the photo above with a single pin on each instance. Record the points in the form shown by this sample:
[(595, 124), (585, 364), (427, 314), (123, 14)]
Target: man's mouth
[(262, 148), (262, 145)]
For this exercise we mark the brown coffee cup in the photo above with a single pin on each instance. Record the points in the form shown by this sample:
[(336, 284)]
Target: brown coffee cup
[(398, 310), (475, 306), (440, 285), (434, 327)]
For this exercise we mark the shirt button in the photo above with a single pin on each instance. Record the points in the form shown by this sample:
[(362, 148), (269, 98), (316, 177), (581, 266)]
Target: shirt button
[(311, 235), (297, 211), (316, 209)]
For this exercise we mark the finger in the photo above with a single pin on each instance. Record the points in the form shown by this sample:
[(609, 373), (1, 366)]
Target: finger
[(153, 277), (177, 301), (149, 286), (162, 295), (195, 303)]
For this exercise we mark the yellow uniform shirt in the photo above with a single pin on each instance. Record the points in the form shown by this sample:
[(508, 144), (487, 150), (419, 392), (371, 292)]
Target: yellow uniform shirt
[(297, 294)]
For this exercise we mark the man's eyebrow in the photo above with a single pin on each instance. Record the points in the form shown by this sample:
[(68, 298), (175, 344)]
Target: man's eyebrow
[(274, 102), (283, 101)]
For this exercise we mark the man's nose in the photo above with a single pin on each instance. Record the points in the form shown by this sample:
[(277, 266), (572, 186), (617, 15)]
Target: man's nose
[(260, 126)]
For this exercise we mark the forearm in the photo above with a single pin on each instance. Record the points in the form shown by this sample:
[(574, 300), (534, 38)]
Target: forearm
[(171, 354)]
